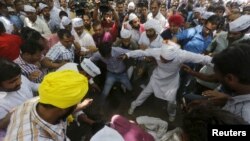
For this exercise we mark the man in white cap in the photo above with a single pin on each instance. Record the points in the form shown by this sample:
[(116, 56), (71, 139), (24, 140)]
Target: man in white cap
[(164, 81), (156, 14), (126, 41), (66, 24), (197, 13), (54, 14), (89, 70), (151, 38), (45, 15), (131, 7), (85, 40), (134, 26), (32, 21)]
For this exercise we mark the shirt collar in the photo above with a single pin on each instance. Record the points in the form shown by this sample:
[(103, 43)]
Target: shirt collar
[(53, 130)]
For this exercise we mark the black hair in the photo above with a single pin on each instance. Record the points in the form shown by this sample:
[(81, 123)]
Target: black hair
[(214, 19), (62, 13), (235, 60), (196, 122), (2, 28), (220, 7), (28, 34), (63, 33), (31, 47), (96, 23), (2, 5), (211, 8), (119, 2), (155, 1), (105, 49), (8, 69)]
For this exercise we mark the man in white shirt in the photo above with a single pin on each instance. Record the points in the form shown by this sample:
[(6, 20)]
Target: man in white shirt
[(15, 88), (85, 40), (164, 81), (45, 15), (151, 38), (54, 14), (32, 21), (156, 13)]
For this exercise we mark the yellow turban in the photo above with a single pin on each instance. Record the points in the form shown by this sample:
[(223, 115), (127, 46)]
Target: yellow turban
[(63, 89)]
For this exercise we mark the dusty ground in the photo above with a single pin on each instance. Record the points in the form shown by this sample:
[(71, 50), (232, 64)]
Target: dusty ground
[(118, 103)]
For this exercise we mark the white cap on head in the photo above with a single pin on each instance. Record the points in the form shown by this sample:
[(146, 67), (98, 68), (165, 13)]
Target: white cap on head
[(42, 6), (65, 21), (152, 23), (125, 33), (131, 6), (77, 22), (241, 23), (168, 52), (206, 15), (199, 10), (107, 134), (132, 16), (90, 68), (28, 8)]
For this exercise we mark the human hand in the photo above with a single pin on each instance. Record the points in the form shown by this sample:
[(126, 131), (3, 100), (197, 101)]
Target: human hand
[(122, 57), (215, 95), (34, 75)]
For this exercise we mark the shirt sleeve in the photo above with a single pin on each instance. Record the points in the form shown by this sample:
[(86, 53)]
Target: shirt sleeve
[(189, 57), (186, 34), (95, 57), (140, 53), (53, 54)]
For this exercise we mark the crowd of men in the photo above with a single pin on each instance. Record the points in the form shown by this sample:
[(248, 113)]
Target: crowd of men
[(186, 52)]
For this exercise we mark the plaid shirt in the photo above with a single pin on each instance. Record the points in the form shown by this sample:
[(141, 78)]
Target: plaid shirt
[(27, 69), (26, 125), (60, 53)]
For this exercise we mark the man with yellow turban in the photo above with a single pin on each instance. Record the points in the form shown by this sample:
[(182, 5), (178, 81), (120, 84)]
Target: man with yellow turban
[(43, 118)]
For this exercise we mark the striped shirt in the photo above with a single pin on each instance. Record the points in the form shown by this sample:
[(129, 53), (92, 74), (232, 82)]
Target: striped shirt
[(26, 125), (27, 69), (60, 53), (239, 105)]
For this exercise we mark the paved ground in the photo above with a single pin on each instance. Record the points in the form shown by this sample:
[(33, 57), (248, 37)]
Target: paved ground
[(118, 103)]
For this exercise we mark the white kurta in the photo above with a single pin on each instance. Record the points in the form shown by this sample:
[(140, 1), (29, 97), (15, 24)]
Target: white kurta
[(164, 81), (144, 40), (16, 98), (85, 40), (39, 25)]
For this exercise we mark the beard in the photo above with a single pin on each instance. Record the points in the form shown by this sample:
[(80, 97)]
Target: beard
[(136, 27)]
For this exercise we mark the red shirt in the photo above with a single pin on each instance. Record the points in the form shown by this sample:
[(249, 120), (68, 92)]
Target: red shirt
[(112, 28), (10, 46)]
